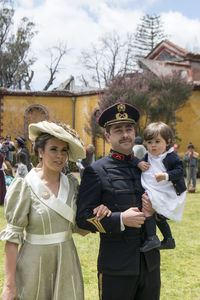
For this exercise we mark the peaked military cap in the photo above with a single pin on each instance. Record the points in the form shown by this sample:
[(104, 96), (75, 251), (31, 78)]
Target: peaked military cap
[(118, 113)]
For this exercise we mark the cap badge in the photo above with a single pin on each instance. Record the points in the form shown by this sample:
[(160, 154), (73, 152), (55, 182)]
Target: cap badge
[(121, 112)]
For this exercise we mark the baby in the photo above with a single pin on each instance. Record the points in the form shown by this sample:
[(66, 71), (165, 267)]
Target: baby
[(163, 181)]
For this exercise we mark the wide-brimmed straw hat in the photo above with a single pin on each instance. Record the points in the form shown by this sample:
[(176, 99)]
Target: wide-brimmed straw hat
[(62, 132)]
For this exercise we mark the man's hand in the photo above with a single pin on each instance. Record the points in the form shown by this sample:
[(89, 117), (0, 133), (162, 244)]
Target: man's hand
[(101, 211), (132, 217), (147, 206), (160, 176)]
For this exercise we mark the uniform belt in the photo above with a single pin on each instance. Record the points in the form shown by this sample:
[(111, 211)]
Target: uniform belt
[(47, 239)]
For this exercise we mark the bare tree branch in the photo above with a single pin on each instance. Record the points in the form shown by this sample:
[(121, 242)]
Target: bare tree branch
[(111, 56), (54, 66)]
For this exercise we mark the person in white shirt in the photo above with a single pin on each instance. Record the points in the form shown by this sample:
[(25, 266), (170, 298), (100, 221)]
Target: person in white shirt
[(139, 149), (22, 170)]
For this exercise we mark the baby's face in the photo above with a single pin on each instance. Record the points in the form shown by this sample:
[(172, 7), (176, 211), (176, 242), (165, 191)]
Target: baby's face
[(156, 146)]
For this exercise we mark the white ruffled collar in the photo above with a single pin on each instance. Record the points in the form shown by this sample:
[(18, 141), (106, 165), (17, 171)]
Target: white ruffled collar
[(58, 204), (161, 156), (39, 187)]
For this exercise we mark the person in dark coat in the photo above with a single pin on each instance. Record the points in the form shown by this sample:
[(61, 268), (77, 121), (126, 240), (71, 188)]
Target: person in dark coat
[(20, 144), (8, 148), (90, 158), (123, 271), (192, 159), (2, 181)]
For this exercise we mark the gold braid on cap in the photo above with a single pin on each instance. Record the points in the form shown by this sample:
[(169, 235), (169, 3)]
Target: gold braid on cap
[(120, 116), (121, 109)]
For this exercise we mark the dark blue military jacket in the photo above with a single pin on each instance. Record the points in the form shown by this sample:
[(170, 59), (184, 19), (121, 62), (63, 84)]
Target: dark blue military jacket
[(115, 182)]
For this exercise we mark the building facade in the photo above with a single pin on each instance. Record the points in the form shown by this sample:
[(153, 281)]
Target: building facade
[(20, 108)]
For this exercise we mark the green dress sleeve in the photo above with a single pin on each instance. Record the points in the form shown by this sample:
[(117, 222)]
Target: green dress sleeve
[(17, 206)]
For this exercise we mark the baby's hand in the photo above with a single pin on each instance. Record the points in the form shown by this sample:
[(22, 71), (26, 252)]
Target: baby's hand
[(143, 165), (160, 176)]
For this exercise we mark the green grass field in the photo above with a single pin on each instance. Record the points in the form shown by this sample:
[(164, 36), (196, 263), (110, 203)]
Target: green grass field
[(179, 267)]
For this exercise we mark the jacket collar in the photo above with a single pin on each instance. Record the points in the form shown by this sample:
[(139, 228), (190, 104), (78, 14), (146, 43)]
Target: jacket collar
[(45, 196), (120, 156)]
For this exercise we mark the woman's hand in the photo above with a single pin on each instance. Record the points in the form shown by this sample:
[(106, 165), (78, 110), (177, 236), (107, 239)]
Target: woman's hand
[(10, 259), (9, 292), (101, 211)]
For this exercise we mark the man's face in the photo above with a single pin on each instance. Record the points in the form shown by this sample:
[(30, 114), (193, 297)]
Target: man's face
[(121, 137)]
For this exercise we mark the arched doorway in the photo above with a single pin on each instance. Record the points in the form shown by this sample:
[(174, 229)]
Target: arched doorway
[(33, 114)]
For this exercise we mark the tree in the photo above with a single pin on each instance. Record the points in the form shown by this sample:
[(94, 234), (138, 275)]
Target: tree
[(112, 56), (15, 64), (169, 95), (55, 60), (93, 129), (156, 98), (132, 89), (148, 34)]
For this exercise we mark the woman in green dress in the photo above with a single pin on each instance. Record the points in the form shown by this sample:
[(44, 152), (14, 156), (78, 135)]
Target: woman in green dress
[(40, 211)]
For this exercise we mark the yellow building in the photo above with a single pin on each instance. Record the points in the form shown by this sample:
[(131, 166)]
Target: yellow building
[(20, 108)]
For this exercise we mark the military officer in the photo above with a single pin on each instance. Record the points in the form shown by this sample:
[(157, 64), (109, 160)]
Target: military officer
[(123, 271)]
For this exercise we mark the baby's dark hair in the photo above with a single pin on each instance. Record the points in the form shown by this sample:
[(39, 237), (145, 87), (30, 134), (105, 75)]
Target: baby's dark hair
[(156, 128)]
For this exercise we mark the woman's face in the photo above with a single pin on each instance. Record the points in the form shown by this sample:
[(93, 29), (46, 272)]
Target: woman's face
[(54, 155)]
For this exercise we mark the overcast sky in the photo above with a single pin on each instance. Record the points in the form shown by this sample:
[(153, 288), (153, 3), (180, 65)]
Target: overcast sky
[(78, 23)]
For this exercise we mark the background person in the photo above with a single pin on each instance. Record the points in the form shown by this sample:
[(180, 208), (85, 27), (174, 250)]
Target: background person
[(88, 160), (138, 148), (176, 148), (1, 141), (44, 205), (2, 181), (11, 148), (8, 148), (20, 144), (191, 158), (123, 272), (21, 170), (8, 169)]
